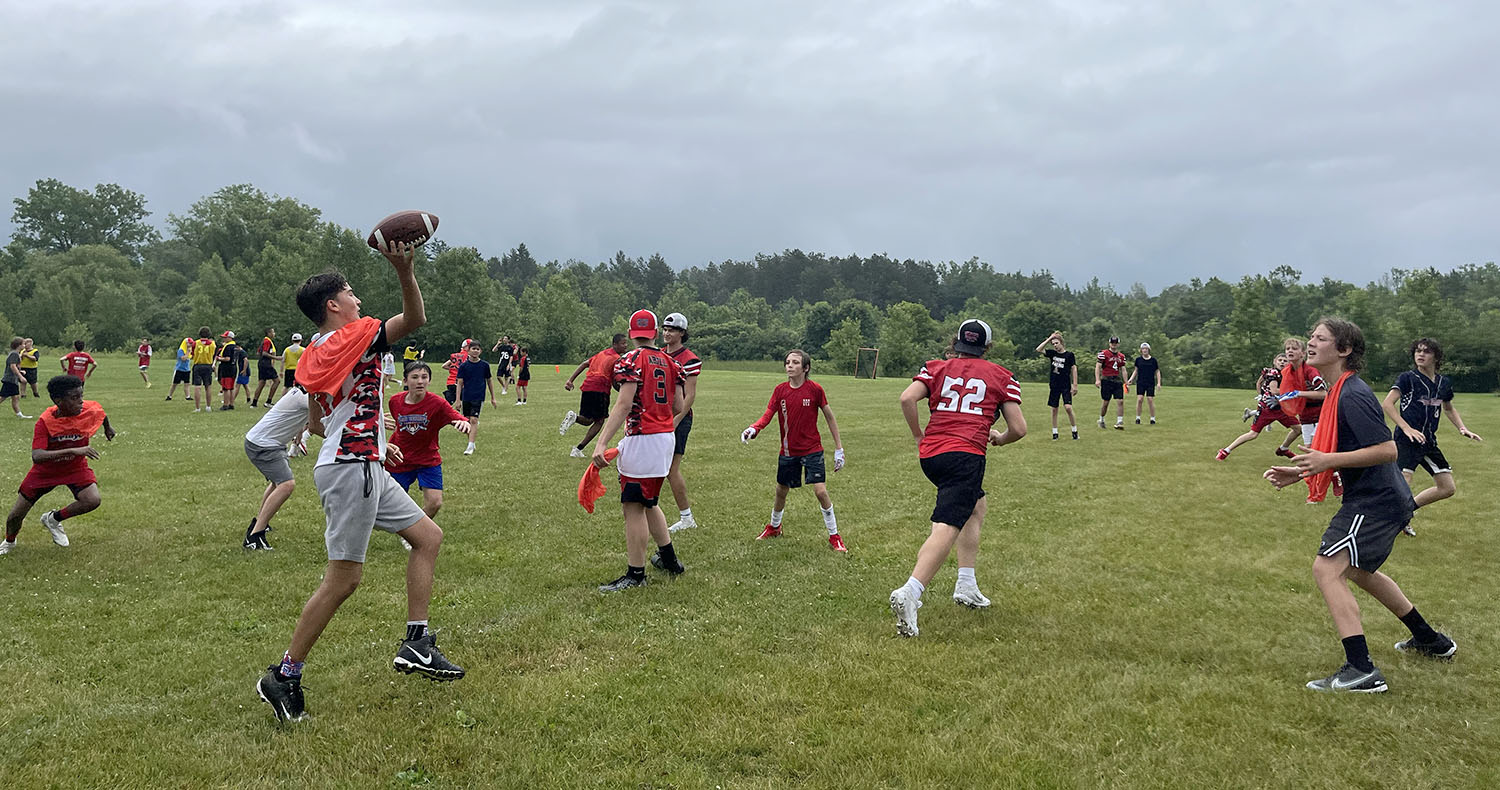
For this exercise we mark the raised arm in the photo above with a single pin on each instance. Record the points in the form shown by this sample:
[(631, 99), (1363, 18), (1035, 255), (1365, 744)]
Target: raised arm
[(413, 312)]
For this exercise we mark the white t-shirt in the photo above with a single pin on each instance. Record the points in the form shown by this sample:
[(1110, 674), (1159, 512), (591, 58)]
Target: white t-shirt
[(283, 423)]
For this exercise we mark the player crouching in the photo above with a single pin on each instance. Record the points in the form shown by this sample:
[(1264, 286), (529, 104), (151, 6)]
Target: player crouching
[(796, 404), (59, 457), (648, 402)]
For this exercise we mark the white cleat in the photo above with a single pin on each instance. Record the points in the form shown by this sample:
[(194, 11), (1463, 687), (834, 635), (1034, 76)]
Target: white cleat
[(577, 453), (687, 523), (905, 607), (970, 596), (469, 450), (49, 520), (6, 546), (567, 422)]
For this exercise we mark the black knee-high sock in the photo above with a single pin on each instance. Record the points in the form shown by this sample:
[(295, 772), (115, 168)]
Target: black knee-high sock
[(1419, 627)]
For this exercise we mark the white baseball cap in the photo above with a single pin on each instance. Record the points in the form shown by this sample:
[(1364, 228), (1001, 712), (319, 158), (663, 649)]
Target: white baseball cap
[(674, 321), (296, 335)]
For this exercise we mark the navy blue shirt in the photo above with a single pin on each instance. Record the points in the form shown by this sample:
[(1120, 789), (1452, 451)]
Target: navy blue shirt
[(473, 375), (1371, 490), (1422, 400)]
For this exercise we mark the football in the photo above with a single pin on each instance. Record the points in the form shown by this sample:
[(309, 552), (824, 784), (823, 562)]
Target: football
[(411, 227)]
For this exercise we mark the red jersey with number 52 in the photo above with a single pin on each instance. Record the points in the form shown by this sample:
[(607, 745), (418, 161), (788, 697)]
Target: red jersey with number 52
[(964, 395), (658, 374)]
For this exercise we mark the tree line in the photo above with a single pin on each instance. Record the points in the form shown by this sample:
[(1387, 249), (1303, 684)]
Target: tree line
[(87, 264)]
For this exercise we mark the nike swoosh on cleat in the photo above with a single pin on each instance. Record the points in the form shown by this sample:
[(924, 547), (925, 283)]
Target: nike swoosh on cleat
[(426, 660)]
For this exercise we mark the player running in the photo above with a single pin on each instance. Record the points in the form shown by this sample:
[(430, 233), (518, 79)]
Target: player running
[(965, 396), (418, 416), (1267, 407), (143, 359), (648, 379), (265, 446), (78, 363), (60, 454), (1353, 439), (796, 404), (1109, 377), (593, 396), (265, 370), (341, 373), (1414, 404), (451, 365), (473, 377), (1062, 378), (675, 333)]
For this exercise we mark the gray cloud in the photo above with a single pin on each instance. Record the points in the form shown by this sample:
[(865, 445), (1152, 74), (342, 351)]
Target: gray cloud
[(1133, 141)]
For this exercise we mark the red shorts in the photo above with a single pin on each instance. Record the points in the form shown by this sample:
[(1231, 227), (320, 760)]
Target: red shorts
[(1266, 417), (227, 383), (643, 490), (37, 484)]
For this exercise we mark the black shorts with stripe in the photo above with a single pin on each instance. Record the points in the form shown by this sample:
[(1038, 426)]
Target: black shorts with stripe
[(1410, 455), (1367, 538)]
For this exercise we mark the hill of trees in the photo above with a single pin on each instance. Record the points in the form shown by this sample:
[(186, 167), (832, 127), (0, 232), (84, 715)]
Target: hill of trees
[(88, 264)]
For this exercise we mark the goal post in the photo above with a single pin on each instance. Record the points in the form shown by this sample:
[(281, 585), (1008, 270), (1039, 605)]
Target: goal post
[(866, 363)]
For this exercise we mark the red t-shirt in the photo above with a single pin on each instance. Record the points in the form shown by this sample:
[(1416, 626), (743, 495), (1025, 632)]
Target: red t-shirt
[(454, 360), (1112, 363), (144, 352), (267, 348), (1302, 377), (796, 410), (964, 396), (417, 426), (690, 363), (56, 432), (601, 370), (658, 375), (77, 363)]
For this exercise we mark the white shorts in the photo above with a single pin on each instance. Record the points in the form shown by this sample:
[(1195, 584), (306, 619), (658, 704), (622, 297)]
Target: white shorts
[(646, 455), (1308, 429)]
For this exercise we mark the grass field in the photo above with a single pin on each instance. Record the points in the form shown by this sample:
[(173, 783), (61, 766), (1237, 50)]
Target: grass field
[(1154, 618)]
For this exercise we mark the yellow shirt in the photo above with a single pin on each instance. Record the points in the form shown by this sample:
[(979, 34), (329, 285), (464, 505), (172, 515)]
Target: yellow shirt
[(204, 351), (292, 354), (410, 353), (28, 358)]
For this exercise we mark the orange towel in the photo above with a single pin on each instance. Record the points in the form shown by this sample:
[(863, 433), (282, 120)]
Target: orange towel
[(1326, 440), (591, 487), (327, 362), (84, 423)]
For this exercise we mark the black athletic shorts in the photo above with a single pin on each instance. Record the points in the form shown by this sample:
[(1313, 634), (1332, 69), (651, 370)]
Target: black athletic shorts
[(1062, 394), (810, 466), (1410, 455), (502, 371), (289, 378), (182, 376), (593, 405), (450, 394), (471, 408), (959, 478), (203, 375), (1148, 389), (1367, 538), (1111, 388), (31, 374), (633, 491), (266, 370), (683, 429), (9, 388)]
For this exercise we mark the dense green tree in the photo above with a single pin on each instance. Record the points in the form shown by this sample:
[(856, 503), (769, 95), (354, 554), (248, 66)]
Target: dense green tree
[(236, 222), (56, 217), (906, 338)]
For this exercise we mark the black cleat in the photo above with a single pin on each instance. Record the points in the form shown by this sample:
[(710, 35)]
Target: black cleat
[(623, 583), (258, 542), (423, 657), (674, 570), (283, 695), (1350, 679), (1442, 647)]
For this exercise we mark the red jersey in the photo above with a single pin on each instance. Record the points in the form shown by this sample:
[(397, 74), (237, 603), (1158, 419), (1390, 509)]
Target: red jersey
[(417, 426), (1302, 377), (76, 363), (690, 363), (56, 432), (796, 410), (454, 360), (601, 371), (658, 376), (1112, 363), (964, 396), (144, 353)]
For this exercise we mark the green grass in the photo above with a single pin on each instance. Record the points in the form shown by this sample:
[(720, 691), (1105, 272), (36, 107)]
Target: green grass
[(1154, 619)]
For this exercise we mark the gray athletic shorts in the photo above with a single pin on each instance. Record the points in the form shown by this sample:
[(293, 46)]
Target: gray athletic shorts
[(352, 513), (271, 461)]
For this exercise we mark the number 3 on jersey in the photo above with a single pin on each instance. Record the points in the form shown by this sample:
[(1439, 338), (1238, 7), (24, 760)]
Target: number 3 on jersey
[(660, 376), (964, 401)]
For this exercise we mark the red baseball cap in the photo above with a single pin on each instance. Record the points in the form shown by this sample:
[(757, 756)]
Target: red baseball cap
[(643, 324)]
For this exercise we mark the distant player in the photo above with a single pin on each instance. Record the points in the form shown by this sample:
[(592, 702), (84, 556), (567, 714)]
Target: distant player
[(966, 396), (182, 369), (77, 362), (593, 396), (523, 374), (232, 362), (419, 415), (1414, 404), (265, 370), (341, 373), (1146, 376), (265, 446), (1109, 377), (29, 356), (59, 457), (796, 403), (411, 354), (1377, 503), (473, 378), (1267, 409), (505, 352), (289, 358), (451, 365), (143, 359), (675, 333), (1062, 378), (648, 380), (15, 378), (1302, 392), (204, 353)]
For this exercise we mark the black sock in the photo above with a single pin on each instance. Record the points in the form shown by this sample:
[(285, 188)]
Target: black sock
[(415, 631), (580, 446), (1419, 627), (1356, 652), (668, 555), (635, 572)]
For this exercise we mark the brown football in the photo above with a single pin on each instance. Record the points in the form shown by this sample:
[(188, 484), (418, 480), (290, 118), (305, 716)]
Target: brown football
[(411, 227)]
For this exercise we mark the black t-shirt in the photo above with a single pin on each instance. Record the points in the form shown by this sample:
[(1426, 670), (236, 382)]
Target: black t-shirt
[(234, 361), (1422, 400), (1145, 371), (1371, 490), (505, 350), (11, 362), (1061, 376)]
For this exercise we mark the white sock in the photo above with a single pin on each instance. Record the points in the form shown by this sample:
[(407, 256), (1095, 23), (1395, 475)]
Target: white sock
[(1054, 431), (967, 575), (830, 521), (776, 518), (471, 445), (1119, 421), (685, 515), (913, 587), (1075, 429)]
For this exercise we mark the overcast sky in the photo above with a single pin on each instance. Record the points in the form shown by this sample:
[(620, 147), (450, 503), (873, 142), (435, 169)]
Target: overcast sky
[(1134, 141)]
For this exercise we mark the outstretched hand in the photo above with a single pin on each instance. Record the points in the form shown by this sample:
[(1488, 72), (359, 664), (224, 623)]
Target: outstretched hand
[(1311, 462), (748, 434), (399, 253), (1283, 476), (463, 426)]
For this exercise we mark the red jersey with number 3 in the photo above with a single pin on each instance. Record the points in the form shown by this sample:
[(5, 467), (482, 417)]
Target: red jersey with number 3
[(964, 395), (657, 375)]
